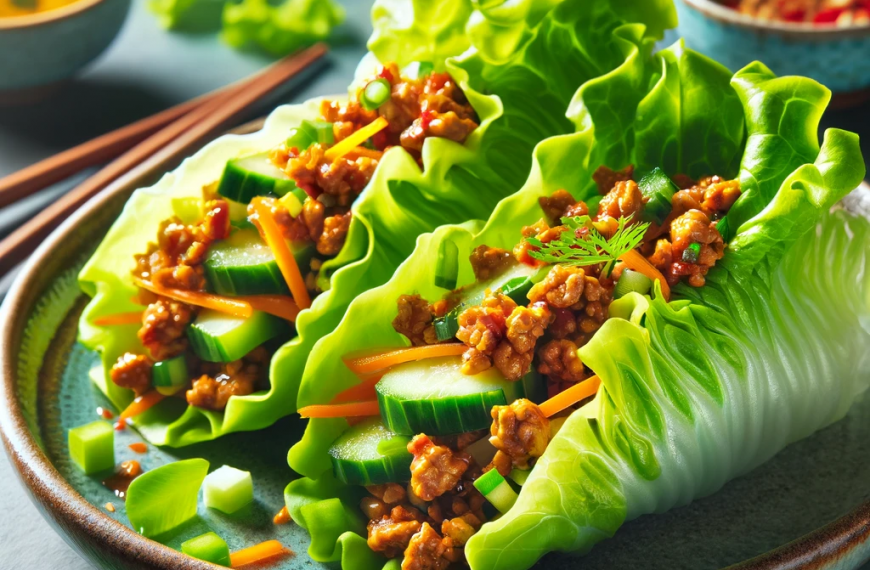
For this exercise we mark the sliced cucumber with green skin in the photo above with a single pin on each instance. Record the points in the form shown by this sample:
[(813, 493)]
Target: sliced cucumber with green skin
[(659, 190), (496, 490), (370, 454), (434, 397), (251, 176), (243, 264), (515, 283), (218, 337), (170, 376)]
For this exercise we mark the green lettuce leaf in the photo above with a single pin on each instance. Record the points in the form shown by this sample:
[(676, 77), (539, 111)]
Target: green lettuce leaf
[(405, 31), (279, 29), (677, 376)]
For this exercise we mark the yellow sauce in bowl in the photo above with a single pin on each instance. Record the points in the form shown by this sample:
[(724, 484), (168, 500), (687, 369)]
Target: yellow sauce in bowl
[(12, 8)]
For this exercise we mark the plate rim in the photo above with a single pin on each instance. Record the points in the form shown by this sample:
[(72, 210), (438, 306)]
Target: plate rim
[(83, 525)]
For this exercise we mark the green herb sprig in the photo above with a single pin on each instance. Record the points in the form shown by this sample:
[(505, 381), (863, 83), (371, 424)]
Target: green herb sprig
[(593, 248)]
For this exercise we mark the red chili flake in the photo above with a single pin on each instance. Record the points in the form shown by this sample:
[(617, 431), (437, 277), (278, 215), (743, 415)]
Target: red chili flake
[(138, 447), (309, 189), (386, 74), (426, 118), (104, 413), (828, 16)]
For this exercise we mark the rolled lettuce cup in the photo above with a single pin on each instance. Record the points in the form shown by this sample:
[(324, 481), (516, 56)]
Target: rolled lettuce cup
[(695, 391), (409, 193)]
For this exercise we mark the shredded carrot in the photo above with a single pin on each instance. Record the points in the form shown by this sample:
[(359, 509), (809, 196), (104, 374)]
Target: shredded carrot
[(138, 447), (356, 139), (571, 396), (279, 305), (637, 262), (365, 152), (258, 553), (141, 404), (360, 392), (133, 318), (283, 516), (353, 409), (286, 262), (227, 305), (374, 362)]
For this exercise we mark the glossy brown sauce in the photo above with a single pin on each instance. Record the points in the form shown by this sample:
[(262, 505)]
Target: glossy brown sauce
[(120, 481)]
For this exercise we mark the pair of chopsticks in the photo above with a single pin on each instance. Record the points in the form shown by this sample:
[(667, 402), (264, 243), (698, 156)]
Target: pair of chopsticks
[(135, 151)]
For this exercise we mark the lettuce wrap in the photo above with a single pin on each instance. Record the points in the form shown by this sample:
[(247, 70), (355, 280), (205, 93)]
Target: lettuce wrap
[(402, 200), (695, 391)]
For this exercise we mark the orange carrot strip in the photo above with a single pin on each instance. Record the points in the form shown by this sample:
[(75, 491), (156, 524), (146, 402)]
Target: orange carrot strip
[(141, 404), (636, 262), (227, 305), (365, 152), (571, 396), (283, 516), (257, 553), (350, 410), (286, 262), (355, 139), (133, 318), (279, 305), (374, 362), (360, 392)]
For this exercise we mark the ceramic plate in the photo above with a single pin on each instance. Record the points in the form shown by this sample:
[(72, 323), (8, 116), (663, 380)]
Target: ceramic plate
[(818, 489)]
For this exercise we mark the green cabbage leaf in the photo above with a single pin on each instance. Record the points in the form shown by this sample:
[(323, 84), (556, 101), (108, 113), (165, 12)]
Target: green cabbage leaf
[(696, 391)]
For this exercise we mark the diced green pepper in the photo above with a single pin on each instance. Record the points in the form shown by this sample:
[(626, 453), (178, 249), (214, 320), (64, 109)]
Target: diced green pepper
[(209, 547), (92, 447)]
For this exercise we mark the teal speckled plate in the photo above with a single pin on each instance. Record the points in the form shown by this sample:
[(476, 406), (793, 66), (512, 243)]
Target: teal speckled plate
[(820, 483)]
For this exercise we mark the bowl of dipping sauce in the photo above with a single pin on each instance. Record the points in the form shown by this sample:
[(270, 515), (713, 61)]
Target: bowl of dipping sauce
[(43, 42), (828, 40)]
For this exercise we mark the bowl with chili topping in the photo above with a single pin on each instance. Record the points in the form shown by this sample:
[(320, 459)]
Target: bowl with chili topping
[(828, 40), (43, 42)]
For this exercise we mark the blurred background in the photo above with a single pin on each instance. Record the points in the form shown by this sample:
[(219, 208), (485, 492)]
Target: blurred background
[(146, 69)]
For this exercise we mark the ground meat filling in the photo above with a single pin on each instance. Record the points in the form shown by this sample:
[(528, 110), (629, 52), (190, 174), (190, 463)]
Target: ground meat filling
[(132, 371), (482, 328), (520, 433), (436, 469), (213, 389), (427, 550), (414, 320), (489, 262)]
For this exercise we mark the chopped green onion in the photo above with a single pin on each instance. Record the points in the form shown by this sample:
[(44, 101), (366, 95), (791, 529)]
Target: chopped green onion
[(92, 447), (724, 228), (375, 94), (496, 490), (324, 133), (447, 265), (208, 547), (631, 282), (692, 253), (301, 137), (659, 190), (228, 489)]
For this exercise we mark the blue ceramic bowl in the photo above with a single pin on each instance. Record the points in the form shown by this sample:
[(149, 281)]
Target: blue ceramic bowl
[(48, 47), (836, 57)]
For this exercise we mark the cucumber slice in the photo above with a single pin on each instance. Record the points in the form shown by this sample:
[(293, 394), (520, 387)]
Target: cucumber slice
[(659, 190), (515, 283), (170, 376), (209, 547), (496, 490), (250, 176), (434, 397), (631, 282), (218, 337), (227, 489), (243, 264), (370, 454), (92, 447)]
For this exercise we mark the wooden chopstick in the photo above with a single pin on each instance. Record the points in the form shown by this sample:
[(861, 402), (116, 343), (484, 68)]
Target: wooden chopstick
[(100, 150), (160, 151)]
